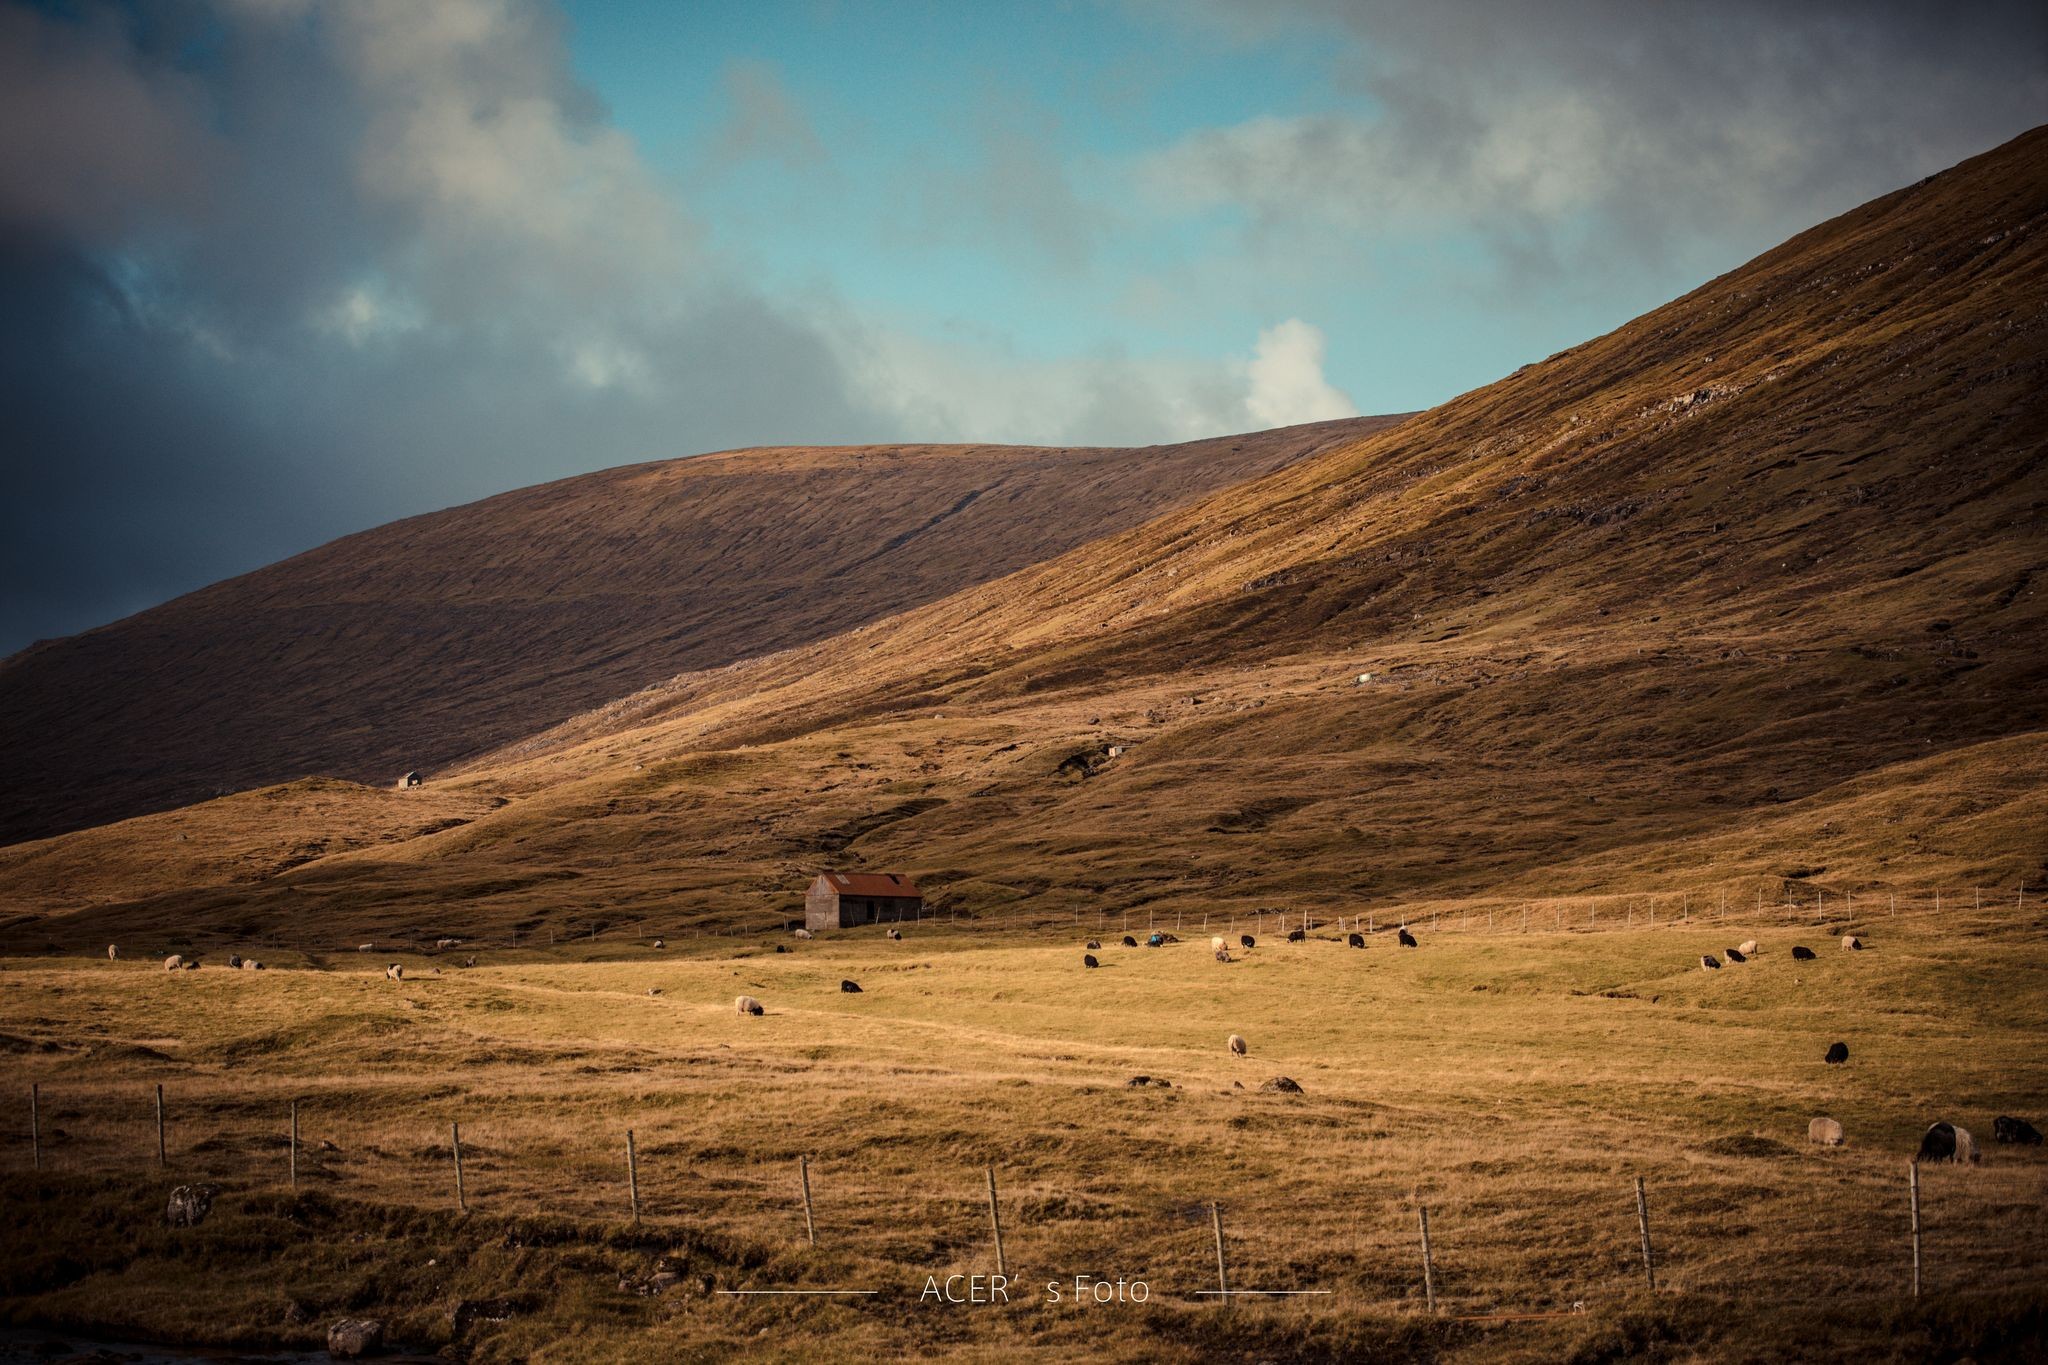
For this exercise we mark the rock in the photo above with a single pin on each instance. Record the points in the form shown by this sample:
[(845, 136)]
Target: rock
[(1800, 954), (469, 1312), (849, 988), (1838, 1053), (1851, 942), (1281, 1085), (189, 1205), (2005, 1128), (352, 1337), (1824, 1132), (660, 1282)]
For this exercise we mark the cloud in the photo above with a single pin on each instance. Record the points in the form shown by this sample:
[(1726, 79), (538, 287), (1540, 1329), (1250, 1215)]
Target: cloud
[(1568, 132), (766, 123), (1287, 383)]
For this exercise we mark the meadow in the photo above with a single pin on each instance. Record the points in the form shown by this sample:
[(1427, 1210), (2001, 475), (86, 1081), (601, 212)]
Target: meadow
[(1515, 1082)]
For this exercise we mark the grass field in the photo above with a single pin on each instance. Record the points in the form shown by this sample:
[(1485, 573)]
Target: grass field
[(1516, 1083)]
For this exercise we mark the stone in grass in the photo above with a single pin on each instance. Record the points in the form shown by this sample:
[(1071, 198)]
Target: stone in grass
[(353, 1337), (189, 1205), (1282, 1085), (467, 1313)]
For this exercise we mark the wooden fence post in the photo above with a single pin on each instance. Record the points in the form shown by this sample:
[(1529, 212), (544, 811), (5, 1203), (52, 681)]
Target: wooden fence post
[(632, 1177), (455, 1142), (803, 1170), (295, 1145), (1913, 1192), (1222, 1271), (161, 1162), (1428, 1267), (35, 1124), (995, 1222), (1643, 1222)]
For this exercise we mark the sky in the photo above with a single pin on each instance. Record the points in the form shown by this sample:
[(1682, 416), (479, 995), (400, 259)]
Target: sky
[(272, 271)]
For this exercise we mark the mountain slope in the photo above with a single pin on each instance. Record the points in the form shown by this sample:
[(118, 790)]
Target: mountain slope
[(1742, 599), (433, 639)]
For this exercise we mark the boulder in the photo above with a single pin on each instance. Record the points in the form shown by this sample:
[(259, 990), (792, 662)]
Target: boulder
[(1824, 1132), (2006, 1128), (353, 1337), (189, 1205), (1281, 1085)]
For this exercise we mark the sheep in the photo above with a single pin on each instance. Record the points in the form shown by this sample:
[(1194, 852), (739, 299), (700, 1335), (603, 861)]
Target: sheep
[(1946, 1142), (896, 935), (805, 933), (235, 960), (1852, 943), (1088, 960), (747, 1004), (1734, 955), (1130, 942), (1296, 935), (1216, 944), (1092, 944), (394, 972), (443, 944), (113, 952), (174, 963), (658, 943), (1748, 947), (469, 961), (250, 964), (1707, 961), (1237, 1045), (1407, 939), (1246, 942), (1355, 940), (2006, 1128), (1223, 954), (1800, 954), (1155, 940), (1824, 1132), (849, 988), (366, 947), (1838, 1053)]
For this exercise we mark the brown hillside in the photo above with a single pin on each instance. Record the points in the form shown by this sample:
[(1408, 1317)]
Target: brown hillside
[(436, 638), (1743, 597)]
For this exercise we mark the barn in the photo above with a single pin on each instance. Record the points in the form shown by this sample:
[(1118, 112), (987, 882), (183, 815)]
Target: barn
[(840, 900)]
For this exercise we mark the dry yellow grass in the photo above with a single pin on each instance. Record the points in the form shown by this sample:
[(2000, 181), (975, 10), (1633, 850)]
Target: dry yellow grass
[(1516, 1083)]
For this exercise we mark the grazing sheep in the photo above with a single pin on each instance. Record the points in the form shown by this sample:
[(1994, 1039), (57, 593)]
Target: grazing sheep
[(659, 943), (191, 964), (1356, 940), (2005, 1128), (1407, 939), (366, 947), (471, 960), (1296, 935), (1217, 944), (1734, 955), (654, 990), (1838, 1053), (1282, 1085), (1946, 1142), (113, 952), (1852, 943), (444, 944), (1824, 1133), (250, 964), (1708, 961), (1088, 960), (849, 988), (1130, 942), (747, 1004), (1749, 947), (1155, 940), (805, 933), (1237, 1046), (173, 963), (1246, 942), (1800, 954), (1092, 944), (782, 947), (896, 934), (1223, 954), (235, 960), (394, 972)]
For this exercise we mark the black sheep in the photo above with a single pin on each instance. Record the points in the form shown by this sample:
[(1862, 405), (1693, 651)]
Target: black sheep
[(1247, 940), (1130, 942), (1296, 935), (1837, 1054), (1088, 960), (1407, 939), (1733, 955), (1800, 954), (2005, 1128), (1093, 945), (1356, 940), (850, 987)]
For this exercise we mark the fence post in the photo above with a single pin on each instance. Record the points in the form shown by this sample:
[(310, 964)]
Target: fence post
[(1222, 1271), (455, 1142), (1643, 1222), (632, 1177), (1913, 1191), (160, 1161), (995, 1222), (1428, 1267), (295, 1145), (35, 1124), (803, 1170)]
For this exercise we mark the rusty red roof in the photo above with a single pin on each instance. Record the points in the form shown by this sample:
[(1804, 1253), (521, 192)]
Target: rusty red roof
[(871, 884)]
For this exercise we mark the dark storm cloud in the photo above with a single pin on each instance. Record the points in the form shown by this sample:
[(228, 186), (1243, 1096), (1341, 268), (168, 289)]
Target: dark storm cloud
[(270, 273), (1562, 132)]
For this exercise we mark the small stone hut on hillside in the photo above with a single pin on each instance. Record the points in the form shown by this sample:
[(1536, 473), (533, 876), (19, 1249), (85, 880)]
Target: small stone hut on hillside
[(841, 900)]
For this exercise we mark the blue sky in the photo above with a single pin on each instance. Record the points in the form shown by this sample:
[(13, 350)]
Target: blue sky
[(275, 270)]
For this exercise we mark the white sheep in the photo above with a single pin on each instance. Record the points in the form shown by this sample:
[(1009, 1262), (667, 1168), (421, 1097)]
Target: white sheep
[(1237, 1045), (394, 972), (113, 952), (173, 963), (250, 964), (805, 933), (1217, 945), (747, 1004), (1747, 947)]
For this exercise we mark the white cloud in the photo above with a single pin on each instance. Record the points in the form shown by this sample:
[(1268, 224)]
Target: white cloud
[(1287, 383)]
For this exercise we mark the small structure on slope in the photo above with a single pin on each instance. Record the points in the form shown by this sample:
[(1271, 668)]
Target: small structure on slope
[(843, 900)]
